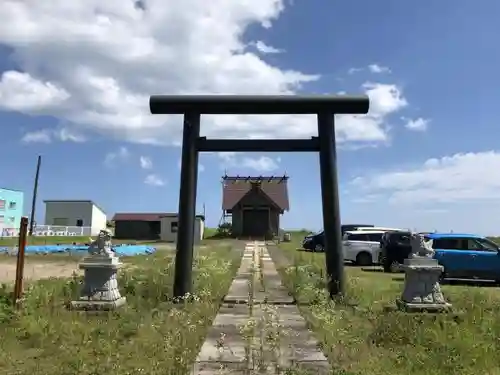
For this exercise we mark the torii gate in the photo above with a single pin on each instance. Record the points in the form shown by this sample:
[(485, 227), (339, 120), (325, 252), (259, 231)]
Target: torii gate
[(324, 107)]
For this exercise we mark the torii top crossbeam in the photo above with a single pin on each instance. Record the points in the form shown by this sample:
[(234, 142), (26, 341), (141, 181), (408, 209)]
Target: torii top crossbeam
[(258, 105)]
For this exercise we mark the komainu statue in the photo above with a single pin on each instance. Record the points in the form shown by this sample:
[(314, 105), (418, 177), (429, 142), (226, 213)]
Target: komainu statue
[(102, 244)]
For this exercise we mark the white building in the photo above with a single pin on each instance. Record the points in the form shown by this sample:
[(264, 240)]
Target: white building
[(168, 232), (79, 217)]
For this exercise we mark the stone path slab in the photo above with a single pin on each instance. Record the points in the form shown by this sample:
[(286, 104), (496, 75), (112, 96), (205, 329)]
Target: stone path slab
[(258, 328)]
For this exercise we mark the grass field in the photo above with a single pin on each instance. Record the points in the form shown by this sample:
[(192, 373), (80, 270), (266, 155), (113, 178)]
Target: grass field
[(361, 337), (150, 335)]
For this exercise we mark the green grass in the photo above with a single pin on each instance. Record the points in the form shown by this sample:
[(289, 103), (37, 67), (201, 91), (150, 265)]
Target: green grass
[(360, 336), (209, 232), (150, 335)]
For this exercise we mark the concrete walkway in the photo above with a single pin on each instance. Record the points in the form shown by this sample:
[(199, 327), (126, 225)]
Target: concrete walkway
[(258, 329)]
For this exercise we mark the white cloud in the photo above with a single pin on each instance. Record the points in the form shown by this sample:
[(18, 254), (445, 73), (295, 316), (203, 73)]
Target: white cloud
[(21, 92), (354, 70), (154, 180), (372, 68), (460, 177), (375, 68), (261, 164), (384, 99), (121, 154), (228, 159), (49, 135), (146, 163), (265, 49), (420, 124), (39, 136), (226, 155), (67, 135), (95, 64)]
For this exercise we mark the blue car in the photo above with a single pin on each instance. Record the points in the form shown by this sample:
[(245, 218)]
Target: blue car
[(465, 256)]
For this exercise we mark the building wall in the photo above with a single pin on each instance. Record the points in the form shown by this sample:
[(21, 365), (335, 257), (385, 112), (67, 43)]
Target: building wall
[(137, 230), (254, 200), (69, 214), (237, 220), (274, 222), (11, 209), (99, 219), (169, 229)]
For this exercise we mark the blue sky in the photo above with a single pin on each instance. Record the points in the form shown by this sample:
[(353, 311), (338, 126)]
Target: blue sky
[(75, 80)]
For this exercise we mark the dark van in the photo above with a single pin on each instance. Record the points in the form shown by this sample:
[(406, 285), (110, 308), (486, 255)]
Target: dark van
[(316, 241)]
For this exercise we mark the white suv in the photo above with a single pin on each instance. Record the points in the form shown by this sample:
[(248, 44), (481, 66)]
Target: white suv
[(362, 247)]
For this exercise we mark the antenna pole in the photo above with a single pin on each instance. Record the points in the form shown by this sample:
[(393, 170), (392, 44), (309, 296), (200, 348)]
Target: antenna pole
[(35, 193)]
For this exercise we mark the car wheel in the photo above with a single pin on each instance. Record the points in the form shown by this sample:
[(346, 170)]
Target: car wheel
[(318, 248), (390, 266), (395, 267), (364, 259)]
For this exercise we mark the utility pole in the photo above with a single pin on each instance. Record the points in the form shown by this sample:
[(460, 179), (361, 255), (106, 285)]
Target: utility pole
[(35, 191)]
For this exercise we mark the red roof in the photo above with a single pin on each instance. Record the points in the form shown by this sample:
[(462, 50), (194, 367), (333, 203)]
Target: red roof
[(136, 216), (235, 188)]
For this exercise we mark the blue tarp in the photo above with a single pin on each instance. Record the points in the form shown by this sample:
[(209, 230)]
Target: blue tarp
[(121, 250)]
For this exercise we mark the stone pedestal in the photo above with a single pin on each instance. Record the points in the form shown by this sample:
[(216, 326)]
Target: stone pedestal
[(422, 291), (100, 286)]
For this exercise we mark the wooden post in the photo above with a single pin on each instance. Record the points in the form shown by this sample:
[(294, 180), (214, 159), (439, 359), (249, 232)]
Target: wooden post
[(18, 286)]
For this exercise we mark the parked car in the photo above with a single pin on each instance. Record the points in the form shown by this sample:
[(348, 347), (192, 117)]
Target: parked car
[(316, 241), (462, 256), (466, 256), (362, 247), (395, 247), (351, 227), (382, 229)]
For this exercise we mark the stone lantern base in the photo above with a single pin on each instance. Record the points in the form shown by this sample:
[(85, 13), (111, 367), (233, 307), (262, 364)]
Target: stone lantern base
[(422, 291), (100, 285)]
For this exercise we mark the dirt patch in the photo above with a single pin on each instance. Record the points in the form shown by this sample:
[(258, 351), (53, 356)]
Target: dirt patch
[(37, 271)]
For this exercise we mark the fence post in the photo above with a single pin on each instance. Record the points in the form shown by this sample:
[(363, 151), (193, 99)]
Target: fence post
[(18, 286)]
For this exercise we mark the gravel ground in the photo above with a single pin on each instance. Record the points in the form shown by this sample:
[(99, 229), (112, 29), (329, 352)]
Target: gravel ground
[(37, 270)]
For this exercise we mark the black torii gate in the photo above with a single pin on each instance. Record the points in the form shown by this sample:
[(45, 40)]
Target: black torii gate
[(192, 107)]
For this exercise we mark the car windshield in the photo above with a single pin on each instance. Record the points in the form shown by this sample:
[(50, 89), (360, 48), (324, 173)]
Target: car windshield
[(487, 244)]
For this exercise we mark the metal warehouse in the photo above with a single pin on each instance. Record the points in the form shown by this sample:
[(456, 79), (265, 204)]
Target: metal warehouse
[(152, 226), (137, 226), (169, 228), (74, 214)]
